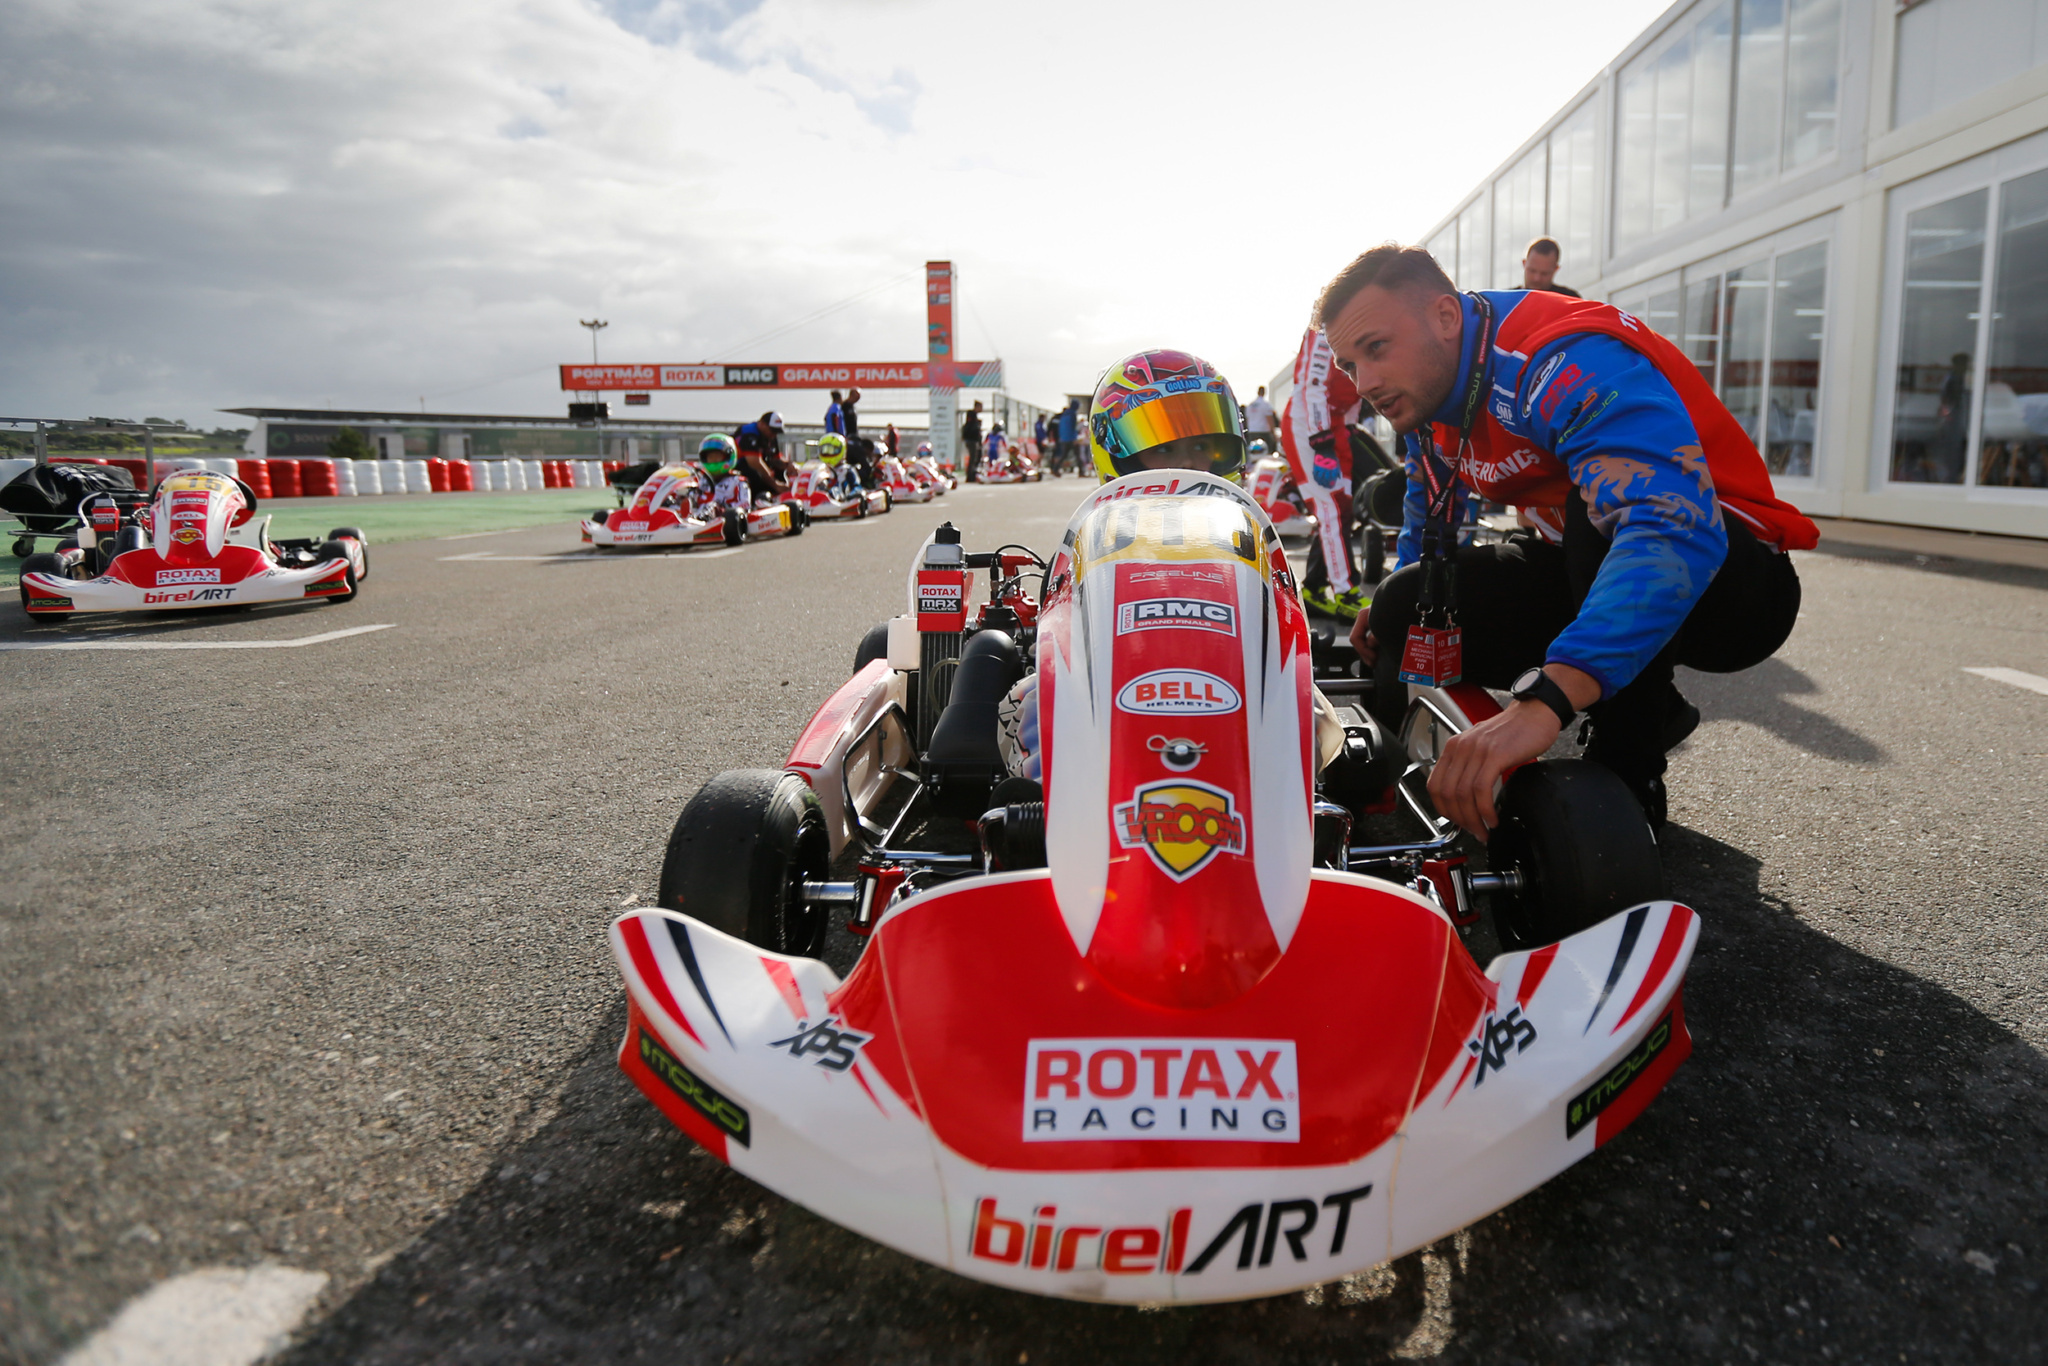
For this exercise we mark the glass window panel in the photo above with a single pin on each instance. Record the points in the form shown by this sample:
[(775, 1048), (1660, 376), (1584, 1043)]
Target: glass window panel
[(1662, 314), (1799, 316), (1812, 60), (1712, 49), (2013, 449), (1701, 339), (1473, 256), (1671, 172), (1759, 90), (1950, 49), (1444, 247), (1637, 138), (1747, 310), (1937, 332), (1517, 216), (1574, 193)]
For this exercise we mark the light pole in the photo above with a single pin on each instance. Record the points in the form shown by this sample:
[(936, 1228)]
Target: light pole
[(596, 325)]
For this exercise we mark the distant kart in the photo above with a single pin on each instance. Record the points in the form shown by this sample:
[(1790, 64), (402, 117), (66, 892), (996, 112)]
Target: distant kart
[(1010, 466), (1144, 1024), (905, 484), (195, 543), (1272, 483), (926, 469), (673, 506), (827, 493)]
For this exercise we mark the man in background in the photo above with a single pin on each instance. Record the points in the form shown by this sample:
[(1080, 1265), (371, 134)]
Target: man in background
[(1259, 420), (970, 438), (1316, 439), (1539, 267)]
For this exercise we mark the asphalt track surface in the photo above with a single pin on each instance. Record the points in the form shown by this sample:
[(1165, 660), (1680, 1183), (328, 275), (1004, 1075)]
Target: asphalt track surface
[(302, 963)]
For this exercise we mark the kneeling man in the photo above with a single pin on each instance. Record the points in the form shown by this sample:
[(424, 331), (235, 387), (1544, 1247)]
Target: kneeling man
[(1657, 539)]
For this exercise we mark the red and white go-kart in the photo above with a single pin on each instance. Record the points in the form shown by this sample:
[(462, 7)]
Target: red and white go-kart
[(674, 506), (197, 542), (1272, 484), (1153, 1028), (831, 492), (905, 484), (1009, 464), (925, 469)]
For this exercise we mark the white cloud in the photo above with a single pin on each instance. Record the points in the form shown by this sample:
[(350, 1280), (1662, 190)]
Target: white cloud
[(361, 203)]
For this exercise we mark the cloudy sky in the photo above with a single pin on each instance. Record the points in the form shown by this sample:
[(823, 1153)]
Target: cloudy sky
[(379, 203)]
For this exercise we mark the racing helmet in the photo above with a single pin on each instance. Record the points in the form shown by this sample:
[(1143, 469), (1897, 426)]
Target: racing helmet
[(832, 448), (717, 455), (1155, 400), (1255, 450), (924, 450)]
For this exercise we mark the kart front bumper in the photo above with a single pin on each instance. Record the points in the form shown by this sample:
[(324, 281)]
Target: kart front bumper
[(46, 593)]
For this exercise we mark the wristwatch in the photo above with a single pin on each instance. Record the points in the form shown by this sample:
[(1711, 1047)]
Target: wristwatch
[(1537, 686)]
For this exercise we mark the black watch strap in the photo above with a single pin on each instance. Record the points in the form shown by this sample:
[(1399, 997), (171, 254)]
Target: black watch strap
[(1539, 686)]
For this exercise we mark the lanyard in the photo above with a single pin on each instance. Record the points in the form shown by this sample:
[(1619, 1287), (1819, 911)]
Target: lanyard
[(1440, 478)]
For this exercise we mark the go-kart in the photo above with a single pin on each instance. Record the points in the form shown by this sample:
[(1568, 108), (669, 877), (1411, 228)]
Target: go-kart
[(1272, 484), (904, 484), (196, 542), (1009, 465), (927, 470), (674, 506), (833, 492), (1157, 1026)]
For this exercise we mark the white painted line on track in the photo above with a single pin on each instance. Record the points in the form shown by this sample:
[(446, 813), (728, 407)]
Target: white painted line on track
[(219, 1316), (474, 535), (125, 644), (2031, 682), (486, 557)]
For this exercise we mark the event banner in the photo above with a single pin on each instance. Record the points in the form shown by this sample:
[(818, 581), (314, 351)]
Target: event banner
[(938, 308), (922, 374)]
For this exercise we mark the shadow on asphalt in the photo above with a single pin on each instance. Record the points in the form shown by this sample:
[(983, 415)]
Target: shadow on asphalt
[(1847, 1169), (1763, 696)]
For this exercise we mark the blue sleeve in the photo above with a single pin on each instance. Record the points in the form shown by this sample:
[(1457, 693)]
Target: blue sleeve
[(1633, 453), (1415, 506)]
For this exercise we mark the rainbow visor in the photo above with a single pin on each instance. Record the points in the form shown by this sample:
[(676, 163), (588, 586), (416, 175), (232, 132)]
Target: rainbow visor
[(1172, 417)]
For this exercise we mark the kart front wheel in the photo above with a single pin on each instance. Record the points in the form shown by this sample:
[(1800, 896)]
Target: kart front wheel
[(335, 550), (740, 855), (355, 534), (46, 563), (1582, 847)]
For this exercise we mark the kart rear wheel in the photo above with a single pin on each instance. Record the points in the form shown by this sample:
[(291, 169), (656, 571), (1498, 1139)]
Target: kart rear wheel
[(335, 550), (1582, 846), (740, 855), (798, 518), (873, 646), (735, 526), (356, 534), (46, 563)]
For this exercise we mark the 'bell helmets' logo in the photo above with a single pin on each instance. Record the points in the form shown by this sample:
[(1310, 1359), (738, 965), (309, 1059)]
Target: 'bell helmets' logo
[(1178, 692), (1209, 1089), (1181, 824)]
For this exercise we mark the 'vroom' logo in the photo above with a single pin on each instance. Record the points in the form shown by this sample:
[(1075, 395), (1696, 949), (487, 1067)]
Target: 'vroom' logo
[(1210, 1089)]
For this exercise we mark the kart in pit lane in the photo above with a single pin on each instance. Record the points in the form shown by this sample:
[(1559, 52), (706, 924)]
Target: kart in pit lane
[(674, 506), (196, 542), (835, 492), (1155, 1026), (905, 483)]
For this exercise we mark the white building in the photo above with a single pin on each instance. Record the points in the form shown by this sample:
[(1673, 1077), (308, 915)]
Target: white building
[(1839, 209)]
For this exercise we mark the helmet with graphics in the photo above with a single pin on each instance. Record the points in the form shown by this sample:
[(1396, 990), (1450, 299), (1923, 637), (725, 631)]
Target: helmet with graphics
[(924, 450), (1165, 410), (1254, 451), (832, 448), (718, 455)]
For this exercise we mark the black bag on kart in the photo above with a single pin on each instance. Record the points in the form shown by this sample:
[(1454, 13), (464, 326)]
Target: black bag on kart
[(627, 481), (45, 498)]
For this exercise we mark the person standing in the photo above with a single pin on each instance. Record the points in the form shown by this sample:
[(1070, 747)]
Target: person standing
[(1038, 426), (1539, 267), (1259, 420), (1674, 544), (970, 439), (1070, 422), (1316, 439), (835, 415)]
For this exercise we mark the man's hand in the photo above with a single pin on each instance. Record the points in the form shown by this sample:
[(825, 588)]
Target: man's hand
[(1461, 785), (1361, 636)]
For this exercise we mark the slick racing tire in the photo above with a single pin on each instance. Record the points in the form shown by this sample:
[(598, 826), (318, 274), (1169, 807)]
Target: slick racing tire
[(44, 564), (335, 550), (1577, 836), (355, 534), (873, 646), (735, 526), (799, 518), (740, 855)]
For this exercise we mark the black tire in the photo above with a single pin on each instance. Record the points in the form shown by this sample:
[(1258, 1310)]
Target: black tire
[(1385, 494), (43, 564), (360, 539), (888, 500), (1375, 566), (1582, 845), (335, 550), (24, 546), (740, 854), (873, 646), (735, 527), (799, 518)]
